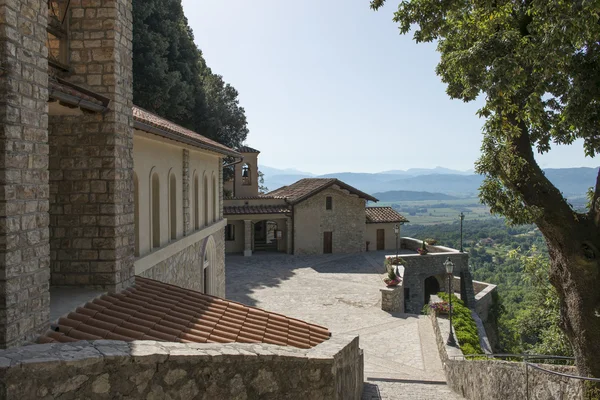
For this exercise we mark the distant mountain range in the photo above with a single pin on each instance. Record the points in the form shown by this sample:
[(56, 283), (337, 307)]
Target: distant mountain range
[(407, 195), (439, 180)]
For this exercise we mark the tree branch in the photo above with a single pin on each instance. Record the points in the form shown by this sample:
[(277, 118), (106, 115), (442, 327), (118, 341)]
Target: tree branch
[(535, 187)]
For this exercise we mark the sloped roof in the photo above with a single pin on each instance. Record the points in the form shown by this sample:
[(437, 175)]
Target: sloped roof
[(378, 215), (152, 310), (152, 123), (146, 121), (256, 209), (307, 187), (247, 149)]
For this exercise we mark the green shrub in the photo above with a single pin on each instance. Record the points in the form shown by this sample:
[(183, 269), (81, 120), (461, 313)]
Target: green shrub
[(464, 325)]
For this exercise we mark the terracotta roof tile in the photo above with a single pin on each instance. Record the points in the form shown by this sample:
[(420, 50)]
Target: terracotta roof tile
[(153, 120), (307, 187), (377, 215), (258, 209), (152, 310), (247, 149)]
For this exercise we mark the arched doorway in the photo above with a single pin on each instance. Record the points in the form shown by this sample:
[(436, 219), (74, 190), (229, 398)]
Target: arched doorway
[(209, 259), (432, 286)]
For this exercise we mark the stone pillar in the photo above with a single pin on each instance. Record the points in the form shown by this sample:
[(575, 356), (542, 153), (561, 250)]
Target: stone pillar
[(24, 246), (288, 229), (187, 219), (220, 168), (247, 238), (92, 218), (392, 299)]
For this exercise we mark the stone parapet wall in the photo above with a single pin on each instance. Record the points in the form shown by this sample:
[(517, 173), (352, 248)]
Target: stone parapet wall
[(181, 262), (106, 369), (413, 244), (503, 380)]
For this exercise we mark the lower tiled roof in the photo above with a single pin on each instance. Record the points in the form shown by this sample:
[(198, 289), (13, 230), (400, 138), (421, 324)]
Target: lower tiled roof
[(152, 310), (258, 209), (382, 215), (306, 187)]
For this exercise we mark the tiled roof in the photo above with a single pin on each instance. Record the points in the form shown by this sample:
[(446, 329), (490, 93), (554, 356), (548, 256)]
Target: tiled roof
[(259, 197), (307, 187), (247, 149), (383, 214), (258, 209), (154, 121), (152, 310)]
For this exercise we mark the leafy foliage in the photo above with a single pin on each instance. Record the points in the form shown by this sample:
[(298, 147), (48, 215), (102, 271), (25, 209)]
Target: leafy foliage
[(464, 325), (171, 77)]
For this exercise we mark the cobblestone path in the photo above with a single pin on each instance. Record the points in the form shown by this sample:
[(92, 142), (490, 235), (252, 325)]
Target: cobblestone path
[(341, 292)]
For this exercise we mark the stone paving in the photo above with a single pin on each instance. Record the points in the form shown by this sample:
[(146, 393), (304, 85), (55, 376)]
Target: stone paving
[(341, 292)]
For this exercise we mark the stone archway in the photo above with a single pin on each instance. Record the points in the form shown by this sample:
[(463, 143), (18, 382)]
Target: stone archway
[(431, 286)]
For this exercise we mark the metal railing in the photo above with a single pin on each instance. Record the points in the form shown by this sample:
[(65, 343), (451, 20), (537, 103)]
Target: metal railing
[(526, 359)]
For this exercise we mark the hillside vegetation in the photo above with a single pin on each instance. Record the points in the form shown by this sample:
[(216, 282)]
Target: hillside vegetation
[(514, 258)]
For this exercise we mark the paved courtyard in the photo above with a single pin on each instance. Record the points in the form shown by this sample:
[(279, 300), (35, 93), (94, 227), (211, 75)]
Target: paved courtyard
[(341, 292)]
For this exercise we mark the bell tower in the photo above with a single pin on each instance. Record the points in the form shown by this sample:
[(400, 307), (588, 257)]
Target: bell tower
[(245, 181)]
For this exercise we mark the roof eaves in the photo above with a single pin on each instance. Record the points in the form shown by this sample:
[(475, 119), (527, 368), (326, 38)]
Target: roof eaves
[(169, 134)]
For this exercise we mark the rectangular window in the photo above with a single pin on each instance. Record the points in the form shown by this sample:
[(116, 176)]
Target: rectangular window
[(230, 232), (328, 202)]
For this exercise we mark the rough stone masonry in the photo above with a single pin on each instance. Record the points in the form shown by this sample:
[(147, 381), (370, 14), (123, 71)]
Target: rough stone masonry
[(24, 248)]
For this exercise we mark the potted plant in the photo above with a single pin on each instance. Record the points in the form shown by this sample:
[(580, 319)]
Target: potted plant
[(392, 279), (430, 241), (441, 308), (423, 249)]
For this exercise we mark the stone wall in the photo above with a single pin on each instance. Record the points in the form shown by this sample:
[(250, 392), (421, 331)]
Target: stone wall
[(91, 163), (346, 220), (503, 380), (157, 370), (183, 266), (24, 248)]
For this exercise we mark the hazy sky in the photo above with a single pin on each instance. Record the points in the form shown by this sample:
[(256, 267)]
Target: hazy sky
[(331, 86)]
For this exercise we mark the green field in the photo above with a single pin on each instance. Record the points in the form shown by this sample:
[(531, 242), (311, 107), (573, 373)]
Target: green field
[(429, 212)]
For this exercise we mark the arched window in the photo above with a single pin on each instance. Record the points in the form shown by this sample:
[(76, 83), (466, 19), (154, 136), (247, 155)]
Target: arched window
[(215, 198), (155, 217), (136, 211), (246, 178), (196, 195), (173, 206), (206, 205)]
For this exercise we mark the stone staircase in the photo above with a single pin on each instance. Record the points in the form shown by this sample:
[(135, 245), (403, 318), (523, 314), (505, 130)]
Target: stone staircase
[(264, 246)]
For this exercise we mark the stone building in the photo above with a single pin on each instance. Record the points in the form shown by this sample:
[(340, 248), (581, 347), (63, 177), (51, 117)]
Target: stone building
[(311, 216)]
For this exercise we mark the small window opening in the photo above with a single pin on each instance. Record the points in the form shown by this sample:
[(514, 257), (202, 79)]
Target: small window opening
[(328, 202)]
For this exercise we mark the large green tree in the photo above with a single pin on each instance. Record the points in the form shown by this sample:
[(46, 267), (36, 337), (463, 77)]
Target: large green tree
[(537, 65), (171, 78)]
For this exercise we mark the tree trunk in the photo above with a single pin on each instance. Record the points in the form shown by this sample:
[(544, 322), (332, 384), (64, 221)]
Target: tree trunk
[(575, 273)]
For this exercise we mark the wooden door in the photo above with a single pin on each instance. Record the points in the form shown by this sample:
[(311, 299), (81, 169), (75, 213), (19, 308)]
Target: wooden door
[(327, 242), (380, 239)]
